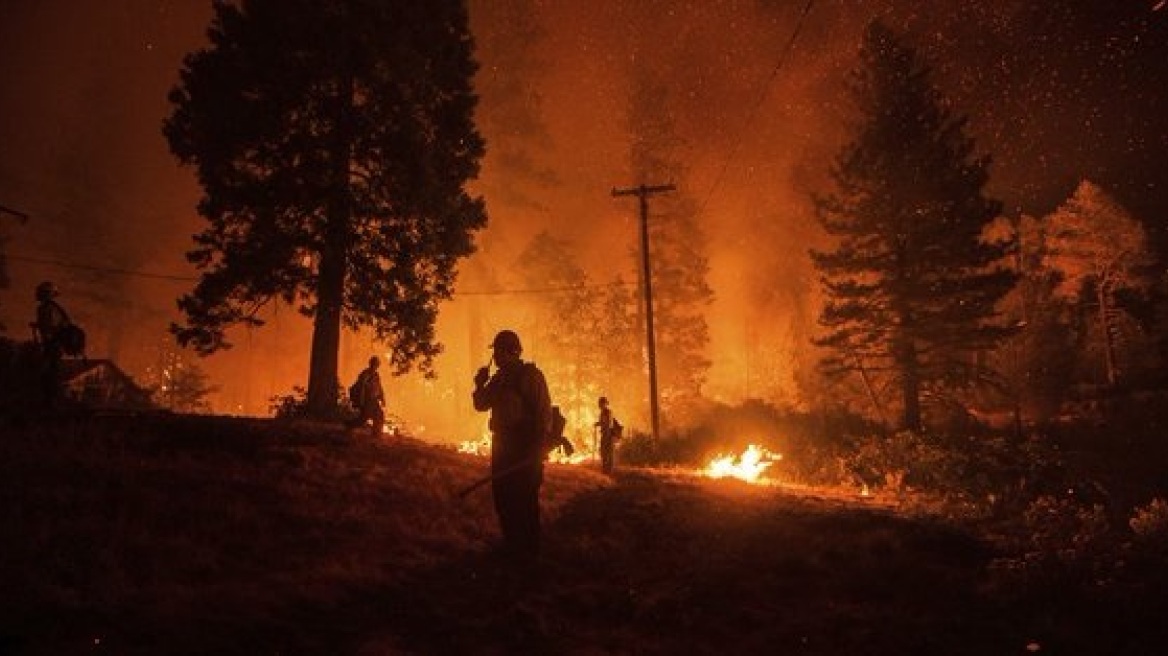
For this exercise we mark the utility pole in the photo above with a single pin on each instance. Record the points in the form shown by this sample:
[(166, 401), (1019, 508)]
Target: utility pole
[(643, 192)]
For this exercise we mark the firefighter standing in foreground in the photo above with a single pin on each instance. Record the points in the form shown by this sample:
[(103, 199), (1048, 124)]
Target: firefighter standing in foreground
[(521, 419)]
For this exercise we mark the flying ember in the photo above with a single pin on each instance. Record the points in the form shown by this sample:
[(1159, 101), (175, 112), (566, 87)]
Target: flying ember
[(748, 467)]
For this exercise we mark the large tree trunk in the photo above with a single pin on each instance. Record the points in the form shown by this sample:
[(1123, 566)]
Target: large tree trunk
[(904, 349), (330, 285), (910, 385), (1105, 328), (326, 334), (879, 407)]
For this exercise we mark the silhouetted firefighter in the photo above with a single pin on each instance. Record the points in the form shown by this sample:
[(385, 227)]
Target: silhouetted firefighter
[(57, 337), (610, 431), (521, 420), (368, 397)]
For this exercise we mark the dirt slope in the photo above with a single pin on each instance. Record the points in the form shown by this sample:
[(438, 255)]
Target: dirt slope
[(666, 565), (172, 535)]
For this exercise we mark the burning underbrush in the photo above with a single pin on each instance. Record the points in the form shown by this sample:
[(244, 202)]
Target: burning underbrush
[(750, 466)]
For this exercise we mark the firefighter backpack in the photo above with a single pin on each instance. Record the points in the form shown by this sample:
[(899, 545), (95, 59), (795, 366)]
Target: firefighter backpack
[(72, 340), (355, 391)]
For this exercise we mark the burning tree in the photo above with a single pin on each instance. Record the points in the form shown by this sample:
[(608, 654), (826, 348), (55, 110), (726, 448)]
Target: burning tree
[(1100, 250), (910, 287), (176, 383), (565, 319), (333, 141), (588, 327)]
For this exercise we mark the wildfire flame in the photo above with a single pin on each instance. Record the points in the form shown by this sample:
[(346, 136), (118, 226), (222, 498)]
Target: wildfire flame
[(578, 457), (479, 447), (482, 447), (749, 466)]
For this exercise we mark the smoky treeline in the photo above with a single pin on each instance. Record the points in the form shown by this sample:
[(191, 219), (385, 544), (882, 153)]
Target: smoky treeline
[(743, 303), (742, 106)]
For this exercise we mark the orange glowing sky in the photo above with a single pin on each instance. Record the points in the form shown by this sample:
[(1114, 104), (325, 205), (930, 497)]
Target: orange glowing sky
[(1053, 93)]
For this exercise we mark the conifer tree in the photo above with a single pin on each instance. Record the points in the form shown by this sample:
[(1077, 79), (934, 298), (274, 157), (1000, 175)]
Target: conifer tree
[(678, 249), (910, 286), (1100, 250), (1036, 364), (333, 140)]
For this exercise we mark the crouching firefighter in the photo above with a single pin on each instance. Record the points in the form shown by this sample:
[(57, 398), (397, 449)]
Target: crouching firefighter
[(521, 418)]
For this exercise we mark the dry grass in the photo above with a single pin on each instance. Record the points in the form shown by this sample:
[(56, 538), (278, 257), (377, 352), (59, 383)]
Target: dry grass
[(199, 535)]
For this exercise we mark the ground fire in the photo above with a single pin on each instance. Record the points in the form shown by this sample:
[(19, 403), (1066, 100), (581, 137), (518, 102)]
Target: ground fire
[(749, 466)]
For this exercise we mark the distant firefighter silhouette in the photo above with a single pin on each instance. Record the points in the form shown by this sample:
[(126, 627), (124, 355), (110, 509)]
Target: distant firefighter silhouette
[(521, 421), (368, 396), (57, 336), (610, 431)]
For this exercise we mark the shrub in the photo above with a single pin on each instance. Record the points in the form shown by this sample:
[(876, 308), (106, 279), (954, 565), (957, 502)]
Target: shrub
[(295, 406), (813, 445), (640, 449), (1147, 553), (1150, 523), (1065, 542), (20, 364), (901, 461)]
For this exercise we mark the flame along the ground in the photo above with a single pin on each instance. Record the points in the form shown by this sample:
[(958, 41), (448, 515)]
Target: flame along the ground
[(482, 447), (748, 466), (752, 466)]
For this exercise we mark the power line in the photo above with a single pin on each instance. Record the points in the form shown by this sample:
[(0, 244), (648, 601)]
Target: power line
[(100, 269), (545, 290), (783, 58), (178, 278)]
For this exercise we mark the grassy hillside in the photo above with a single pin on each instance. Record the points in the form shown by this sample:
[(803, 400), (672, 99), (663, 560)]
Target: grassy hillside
[(201, 535)]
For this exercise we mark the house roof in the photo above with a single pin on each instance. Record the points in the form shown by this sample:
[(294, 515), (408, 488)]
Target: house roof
[(84, 371), (71, 369)]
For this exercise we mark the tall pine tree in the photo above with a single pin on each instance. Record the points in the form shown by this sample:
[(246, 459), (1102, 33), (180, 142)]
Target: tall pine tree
[(333, 140), (910, 286), (677, 249)]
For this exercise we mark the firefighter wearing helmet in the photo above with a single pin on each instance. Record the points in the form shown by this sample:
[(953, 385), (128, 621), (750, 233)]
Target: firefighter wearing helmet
[(521, 418), (48, 332), (46, 291), (610, 431)]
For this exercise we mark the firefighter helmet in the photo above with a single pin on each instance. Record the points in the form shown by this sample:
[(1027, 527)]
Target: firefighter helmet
[(507, 340), (46, 290)]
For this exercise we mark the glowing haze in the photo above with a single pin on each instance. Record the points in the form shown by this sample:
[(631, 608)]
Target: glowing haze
[(1054, 93)]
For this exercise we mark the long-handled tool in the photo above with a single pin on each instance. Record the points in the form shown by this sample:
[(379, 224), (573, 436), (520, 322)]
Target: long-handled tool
[(480, 380), (495, 476)]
